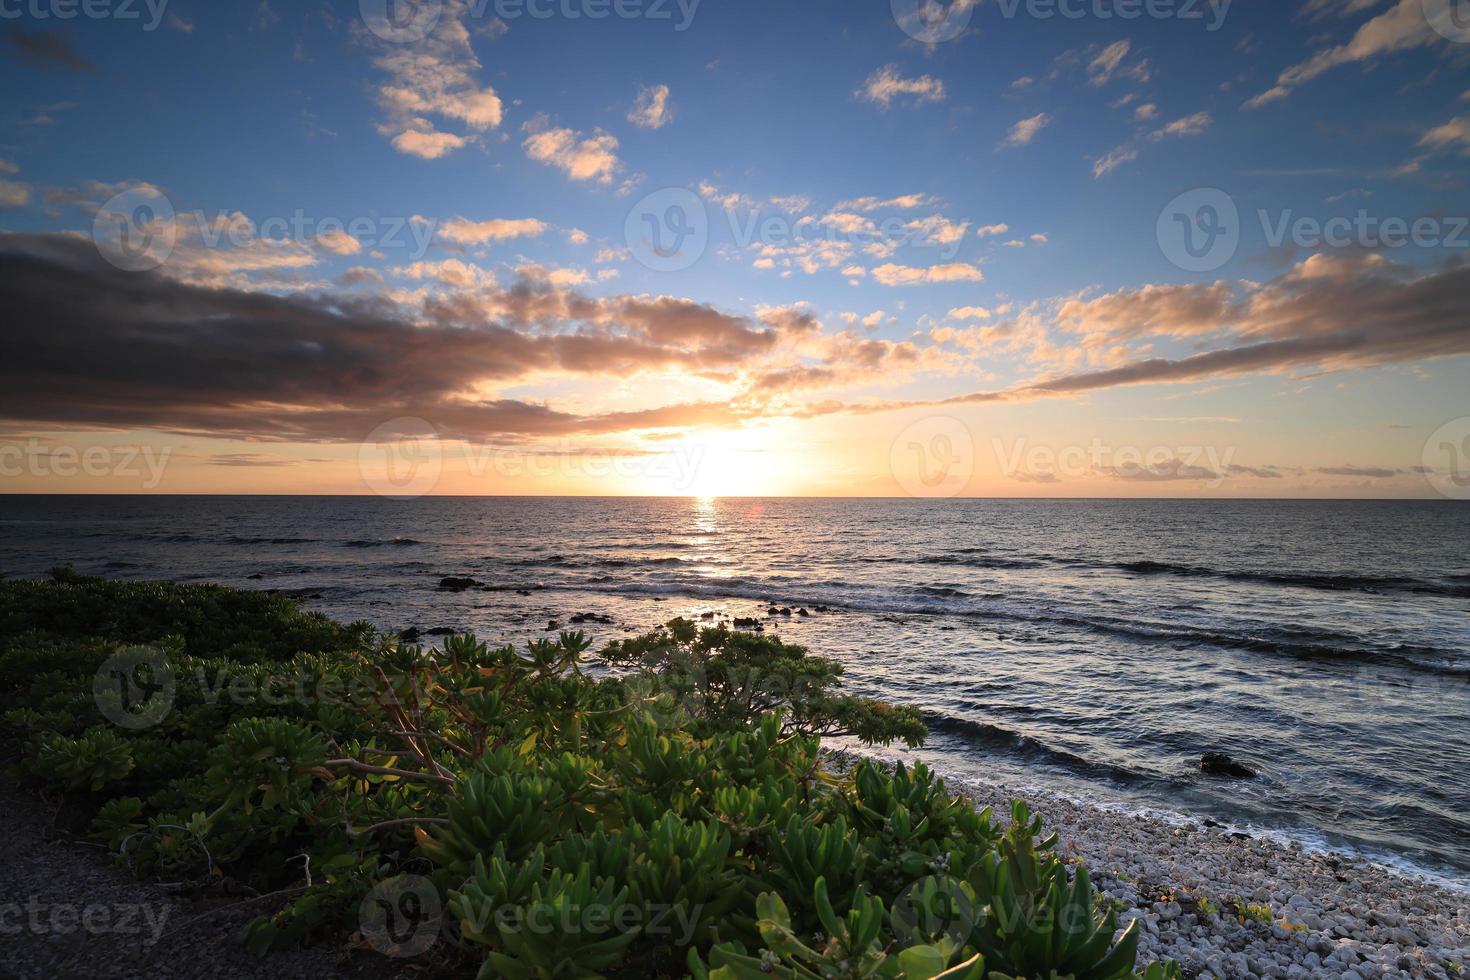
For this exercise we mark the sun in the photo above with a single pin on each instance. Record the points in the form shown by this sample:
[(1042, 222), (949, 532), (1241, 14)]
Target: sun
[(721, 464)]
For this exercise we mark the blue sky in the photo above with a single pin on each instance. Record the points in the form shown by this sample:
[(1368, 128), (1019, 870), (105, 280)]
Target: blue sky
[(987, 223)]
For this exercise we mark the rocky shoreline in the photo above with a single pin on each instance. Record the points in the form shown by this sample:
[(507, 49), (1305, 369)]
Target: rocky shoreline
[(1226, 904)]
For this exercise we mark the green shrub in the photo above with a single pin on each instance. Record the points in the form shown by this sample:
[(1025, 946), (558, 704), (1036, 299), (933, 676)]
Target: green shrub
[(679, 795)]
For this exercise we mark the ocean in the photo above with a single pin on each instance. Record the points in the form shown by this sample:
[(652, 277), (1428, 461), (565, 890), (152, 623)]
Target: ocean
[(1093, 649)]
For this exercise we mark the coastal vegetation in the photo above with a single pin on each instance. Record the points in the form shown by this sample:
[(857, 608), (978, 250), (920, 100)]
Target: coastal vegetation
[(661, 807)]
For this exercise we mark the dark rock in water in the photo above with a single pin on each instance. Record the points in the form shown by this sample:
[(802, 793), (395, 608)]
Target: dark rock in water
[(410, 635), (802, 612), (257, 575), (786, 610), (1220, 764), (441, 631), (456, 583), (523, 591), (706, 615), (552, 624), (591, 618), (742, 623), (773, 611)]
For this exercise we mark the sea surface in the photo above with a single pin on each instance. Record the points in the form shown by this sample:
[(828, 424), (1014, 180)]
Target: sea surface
[(1093, 649)]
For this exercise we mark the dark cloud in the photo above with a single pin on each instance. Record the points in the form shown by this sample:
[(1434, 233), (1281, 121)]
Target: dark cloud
[(87, 344), (1260, 472), (1168, 470), (46, 49), (1375, 472)]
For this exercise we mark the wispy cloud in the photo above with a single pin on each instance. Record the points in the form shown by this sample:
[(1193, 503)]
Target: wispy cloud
[(1025, 131), (886, 85)]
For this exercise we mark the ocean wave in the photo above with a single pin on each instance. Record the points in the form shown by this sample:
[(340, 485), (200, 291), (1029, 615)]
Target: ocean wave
[(1032, 748), (1450, 585), (380, 542)]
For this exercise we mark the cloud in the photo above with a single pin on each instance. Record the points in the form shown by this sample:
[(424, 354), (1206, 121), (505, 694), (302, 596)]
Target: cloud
[(1112, 160), (1400, 29), (463, 231), (593, 158), (1166, 471), (652, 109), (14, 194), (890, 274), (1372, 472), (435, 77), (1453, 134), (252, 459), (428, 144), (1146, 111), (97, 346), (969, 313), (1259, 472), (986, 231), (338, 242), (556, 276), (904, 202), (1110, 62), (1188, 126), (1025, 131), (885, 85), (47, 49)]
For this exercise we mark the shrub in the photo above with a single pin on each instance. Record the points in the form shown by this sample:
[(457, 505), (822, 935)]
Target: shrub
[(682, 799)]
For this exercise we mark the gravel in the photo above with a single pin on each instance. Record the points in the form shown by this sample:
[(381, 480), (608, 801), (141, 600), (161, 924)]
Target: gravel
[(1317, 914)]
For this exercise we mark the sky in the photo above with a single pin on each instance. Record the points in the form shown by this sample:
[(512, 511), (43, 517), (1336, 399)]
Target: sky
[(1059, 248)]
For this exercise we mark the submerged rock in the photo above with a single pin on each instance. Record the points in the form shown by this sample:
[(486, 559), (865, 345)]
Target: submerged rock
[(456, 583), (1220, 764)]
